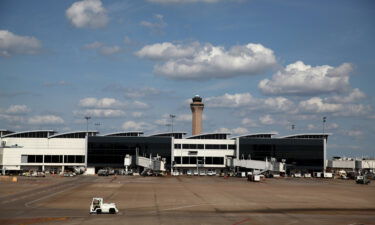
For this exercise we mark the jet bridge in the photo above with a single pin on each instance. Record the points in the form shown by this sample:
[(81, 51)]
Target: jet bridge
[(258, 165), (152, 163)]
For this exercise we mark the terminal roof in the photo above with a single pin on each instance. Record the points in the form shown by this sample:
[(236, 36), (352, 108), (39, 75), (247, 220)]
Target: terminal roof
[(210, 136), (31, 133), (309, 136), (256, 135), (125, 134), (177, 135), (74, 134)]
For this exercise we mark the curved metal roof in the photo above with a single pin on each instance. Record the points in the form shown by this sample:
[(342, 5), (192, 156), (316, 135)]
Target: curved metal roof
[(254, 134), (73, 132), (206, 134), (303, 135), (166, 133), (177, 135), (123, 132), (30, 131)]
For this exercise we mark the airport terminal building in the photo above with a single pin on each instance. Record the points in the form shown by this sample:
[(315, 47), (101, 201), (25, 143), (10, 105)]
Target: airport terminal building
[(45, 150)]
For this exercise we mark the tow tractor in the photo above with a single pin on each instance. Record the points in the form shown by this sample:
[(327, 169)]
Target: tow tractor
[(98, 207)]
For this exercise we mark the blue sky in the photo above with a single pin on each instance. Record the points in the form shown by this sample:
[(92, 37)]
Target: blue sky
[(260, 66)]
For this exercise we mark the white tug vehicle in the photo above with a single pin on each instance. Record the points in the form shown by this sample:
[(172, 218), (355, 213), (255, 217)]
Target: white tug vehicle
[(98, 207)]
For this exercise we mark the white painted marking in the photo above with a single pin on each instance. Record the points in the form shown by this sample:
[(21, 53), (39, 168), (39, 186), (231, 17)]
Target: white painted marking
[(47, 196)]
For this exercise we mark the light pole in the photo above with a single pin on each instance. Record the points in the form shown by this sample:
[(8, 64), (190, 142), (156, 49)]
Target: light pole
[(324, 122), (168, 125), (97, 126), (87, 124), (172, 117)]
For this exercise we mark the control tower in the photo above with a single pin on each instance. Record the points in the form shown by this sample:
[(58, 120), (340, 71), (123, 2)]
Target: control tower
[(197, 109)]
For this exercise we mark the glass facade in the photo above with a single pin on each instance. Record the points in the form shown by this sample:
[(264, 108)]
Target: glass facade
[(111, 151), (302, 154)]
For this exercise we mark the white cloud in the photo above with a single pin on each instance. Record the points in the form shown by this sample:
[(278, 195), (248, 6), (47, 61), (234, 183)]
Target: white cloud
[(317, 105), (185, 117), (276, 104), (140, 92), (45, 120), (355, 110), (93, 45), (12, 118), (11, 44), (109, 50), (279, 104), (109, 103), (266, 120), (300, 79), (311, 127), (130, 92), (138, 105), (239, 130), (138, 126), (353, 96), (197, 61), (102, 48), (179, 118), (162, 122), (182, 1), (101, 113), (157, 26), (234, 131), (329, 126), (354, 133), (332, 126), (231, 100), (17, 109), (87, 13), (137, 114), (249, 122), (222, 130), (167, 50), (100, 103)]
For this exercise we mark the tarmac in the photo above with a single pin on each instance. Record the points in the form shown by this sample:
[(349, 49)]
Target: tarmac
[(187, 200)]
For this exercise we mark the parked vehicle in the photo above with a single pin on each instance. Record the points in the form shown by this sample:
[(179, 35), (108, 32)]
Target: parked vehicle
[(175, 173), (189, 173), (98, 206), (195, 173), (297, 175), (211, 173), (202, 173), (328, 175), (362, 180), (103, 172), (253, 178)]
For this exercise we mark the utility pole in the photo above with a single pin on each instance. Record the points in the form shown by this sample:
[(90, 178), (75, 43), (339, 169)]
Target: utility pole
[(324, 122), (168, 125), (87, 124), (172, 117)]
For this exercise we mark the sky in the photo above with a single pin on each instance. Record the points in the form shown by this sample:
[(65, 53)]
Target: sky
[(259, 65)]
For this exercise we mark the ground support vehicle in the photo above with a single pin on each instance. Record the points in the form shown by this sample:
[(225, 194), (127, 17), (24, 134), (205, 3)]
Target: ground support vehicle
[(98, 206), (103, 172), (253, 178), (362, 180)]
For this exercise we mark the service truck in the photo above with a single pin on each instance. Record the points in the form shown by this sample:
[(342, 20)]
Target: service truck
[(98, 207)]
